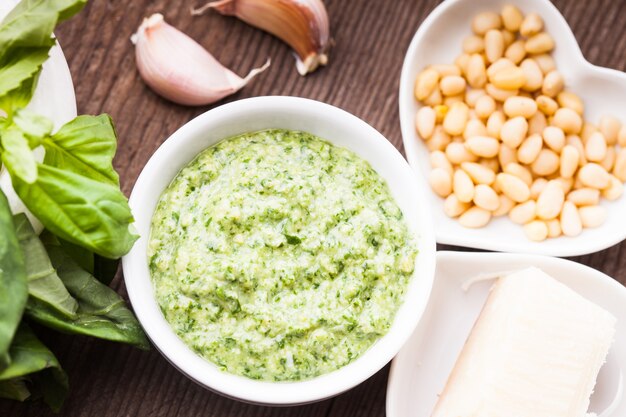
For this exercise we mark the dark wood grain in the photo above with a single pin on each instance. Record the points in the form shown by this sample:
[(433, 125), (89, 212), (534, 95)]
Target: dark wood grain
[(371, 38)]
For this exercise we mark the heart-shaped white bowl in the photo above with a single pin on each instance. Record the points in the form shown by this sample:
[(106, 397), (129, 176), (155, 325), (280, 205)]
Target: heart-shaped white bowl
[(603, 90), (420, 371)]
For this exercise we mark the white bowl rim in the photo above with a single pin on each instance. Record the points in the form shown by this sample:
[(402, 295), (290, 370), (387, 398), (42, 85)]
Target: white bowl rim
[(262, 392)]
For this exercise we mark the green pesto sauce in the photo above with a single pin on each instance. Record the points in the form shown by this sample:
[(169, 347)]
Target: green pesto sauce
[(279, 256)]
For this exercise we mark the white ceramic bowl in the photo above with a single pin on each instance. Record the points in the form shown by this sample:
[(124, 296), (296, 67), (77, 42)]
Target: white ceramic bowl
[(334, 125), (421, 369), (438, 40)]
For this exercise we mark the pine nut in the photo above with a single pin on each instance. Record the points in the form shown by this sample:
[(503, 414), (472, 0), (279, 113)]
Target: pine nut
[(475, 217), (520, 106), (485, 197), (446, 69), (462, 62), (569, 161), (434, 98), (473, 44), (472, 96), (514, 131), (452, 85), (513, 187), (614, 190), (484, 146), (500, 65), (536, 230), (568, 120), (610, 128), (545, 62), (476, 72), (571, 101), (452, 207), (594, 176), (506, 155), (499, 94), (490, 163), (440, 112), (550, 201), (450, 100), (609, 160), (478, 173), (547, 163), (533, 75), (537, 187), (511, 78), (619, 170), (456, 118), (571, 225), (474, 127), (494, 123), (506, 204), (554, 228), (592, 216), (546, 105), (537, 123), (425, 122), (566, 183), (440, 181), (595, 148), (462, 186), (520, 172), (524, 212), (553, 84), (531, 25), (438, 159), (584, 196), (515, 51), (554, 137), (578, 144), (494, 45), (539, 43), (457, 153), (509, 37), (511, 17), (485, 21), (621, 136), (587, 130), (529, 149), (426, 83), (485, 105)]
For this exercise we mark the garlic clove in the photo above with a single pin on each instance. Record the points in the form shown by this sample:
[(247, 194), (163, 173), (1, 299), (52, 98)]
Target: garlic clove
[(302, 24), (181, 70)]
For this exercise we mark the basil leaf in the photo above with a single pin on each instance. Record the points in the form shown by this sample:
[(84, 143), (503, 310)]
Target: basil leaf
[(80, 255), (17, 156), (31, 22), (81, 210), (22, 66), (43, 282), (13, 288), (19, 97), (14, 389), (34, 126), (105, 269), (86, 146), (102, 313), (32, 361)]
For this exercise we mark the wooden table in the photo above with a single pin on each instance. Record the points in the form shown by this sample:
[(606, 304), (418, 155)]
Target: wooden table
[(371, 38)]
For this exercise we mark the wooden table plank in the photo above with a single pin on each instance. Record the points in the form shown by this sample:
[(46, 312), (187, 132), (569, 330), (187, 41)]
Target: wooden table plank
[(371, 38)]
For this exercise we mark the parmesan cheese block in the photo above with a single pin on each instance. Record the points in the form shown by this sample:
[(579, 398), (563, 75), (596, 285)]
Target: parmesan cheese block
[(535, 351)]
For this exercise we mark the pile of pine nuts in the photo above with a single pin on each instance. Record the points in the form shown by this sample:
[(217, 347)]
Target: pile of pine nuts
[(506, 138)]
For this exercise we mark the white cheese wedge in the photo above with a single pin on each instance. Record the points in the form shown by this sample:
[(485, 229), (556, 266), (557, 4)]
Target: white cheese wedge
[(535, 351)]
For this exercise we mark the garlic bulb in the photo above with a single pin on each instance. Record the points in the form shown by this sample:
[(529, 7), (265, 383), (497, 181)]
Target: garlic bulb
[(179, 69), (302, 24)]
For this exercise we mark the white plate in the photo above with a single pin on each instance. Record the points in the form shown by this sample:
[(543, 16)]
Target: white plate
[(53, 98), (419, 372), (438, 40)]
